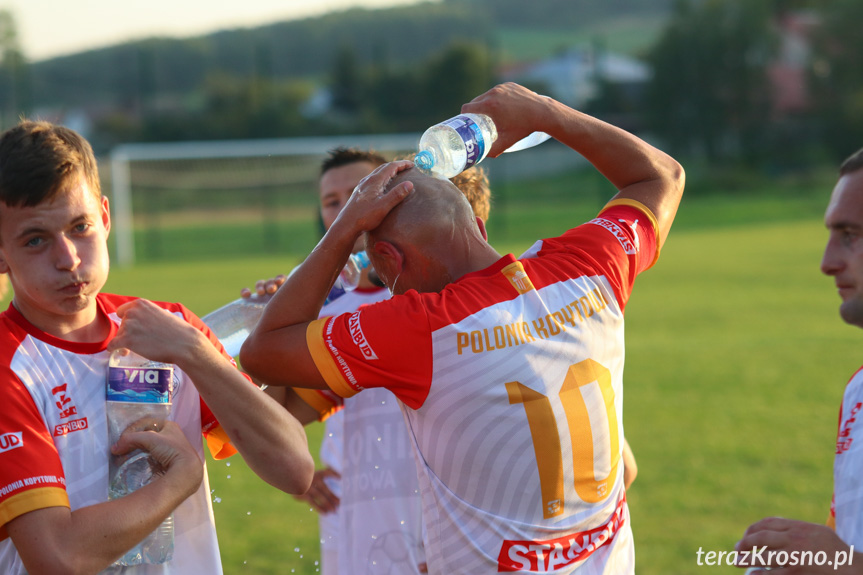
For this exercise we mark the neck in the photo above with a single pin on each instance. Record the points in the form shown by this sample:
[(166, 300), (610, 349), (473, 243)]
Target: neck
[(480, 255), (84, 326)]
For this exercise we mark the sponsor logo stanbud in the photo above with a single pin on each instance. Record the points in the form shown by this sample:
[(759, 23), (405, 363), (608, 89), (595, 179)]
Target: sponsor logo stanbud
[(70, 426)]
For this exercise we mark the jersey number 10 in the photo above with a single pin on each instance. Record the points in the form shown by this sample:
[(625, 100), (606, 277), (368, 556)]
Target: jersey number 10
[(546, 441)]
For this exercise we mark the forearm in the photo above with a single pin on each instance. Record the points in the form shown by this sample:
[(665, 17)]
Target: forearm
[(638, 170), (303, 294), (270, 439), (275, 350), (57, 541)]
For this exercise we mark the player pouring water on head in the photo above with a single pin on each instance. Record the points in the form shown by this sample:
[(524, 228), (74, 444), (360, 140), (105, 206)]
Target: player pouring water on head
[(517, 434)]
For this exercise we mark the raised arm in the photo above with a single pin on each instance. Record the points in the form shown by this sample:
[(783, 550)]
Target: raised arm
[(276, 351), (638, 170), (271, 441)]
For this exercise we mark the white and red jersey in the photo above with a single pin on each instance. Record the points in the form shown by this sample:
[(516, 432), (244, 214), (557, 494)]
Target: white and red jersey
[(379, 518), (54, 444), (847, 509), (329, 406), (381, 508), (514, 379)]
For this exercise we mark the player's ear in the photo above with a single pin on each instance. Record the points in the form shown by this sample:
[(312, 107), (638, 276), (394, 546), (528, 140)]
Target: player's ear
[(481, 225), (106, 215), (387, 259)]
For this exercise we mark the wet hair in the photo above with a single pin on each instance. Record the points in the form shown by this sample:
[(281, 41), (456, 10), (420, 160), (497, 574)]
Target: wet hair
[(37, 159), (341, 156), (853, 163)]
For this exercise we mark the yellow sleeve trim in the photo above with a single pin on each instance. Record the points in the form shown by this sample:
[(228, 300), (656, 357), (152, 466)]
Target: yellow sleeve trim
[(643, 209), (31, 500), (831, 521), (316, 401), (324, 361), (219, 443)]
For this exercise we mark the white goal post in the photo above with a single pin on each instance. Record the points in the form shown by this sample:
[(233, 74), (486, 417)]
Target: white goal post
[(123, 157)]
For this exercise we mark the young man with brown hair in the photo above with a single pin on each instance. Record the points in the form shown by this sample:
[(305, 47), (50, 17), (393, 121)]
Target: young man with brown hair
[(56, 337)]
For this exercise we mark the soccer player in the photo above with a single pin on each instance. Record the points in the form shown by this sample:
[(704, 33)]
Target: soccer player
[(56, 337), (341, 171), (843, 261), (510, 371), (374, 524)]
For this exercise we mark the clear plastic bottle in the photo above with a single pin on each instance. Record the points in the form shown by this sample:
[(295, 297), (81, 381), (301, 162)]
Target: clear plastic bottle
[(137, 388), (451, 147), (349, 278), (233, 322)]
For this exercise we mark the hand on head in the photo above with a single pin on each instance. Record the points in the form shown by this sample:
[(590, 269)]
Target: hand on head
[(373, 199)]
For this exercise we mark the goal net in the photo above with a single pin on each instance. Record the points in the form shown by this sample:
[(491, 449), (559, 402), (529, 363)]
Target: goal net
[(211, 199)]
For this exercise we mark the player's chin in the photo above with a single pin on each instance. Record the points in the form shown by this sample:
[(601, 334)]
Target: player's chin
[(851, 311)]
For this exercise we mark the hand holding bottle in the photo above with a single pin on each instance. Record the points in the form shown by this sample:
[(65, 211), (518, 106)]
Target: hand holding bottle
[(516, 112), (156, 333), (171, 453)]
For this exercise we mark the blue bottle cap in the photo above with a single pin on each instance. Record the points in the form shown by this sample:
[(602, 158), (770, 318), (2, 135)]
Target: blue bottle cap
[(362, 259), (424, 160)]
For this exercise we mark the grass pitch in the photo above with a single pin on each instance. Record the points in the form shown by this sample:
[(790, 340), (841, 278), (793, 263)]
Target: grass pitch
[(736, 363)]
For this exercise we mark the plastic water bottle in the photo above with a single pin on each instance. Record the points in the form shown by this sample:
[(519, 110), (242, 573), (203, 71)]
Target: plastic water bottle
[(232, 323), (137, 388), (349, 278), (451, 147)]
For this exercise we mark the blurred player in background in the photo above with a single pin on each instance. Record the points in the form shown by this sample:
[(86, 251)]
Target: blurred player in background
[(843, 534), (340, 172)]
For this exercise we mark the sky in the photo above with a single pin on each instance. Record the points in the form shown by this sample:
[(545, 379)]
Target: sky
[(48, 28)]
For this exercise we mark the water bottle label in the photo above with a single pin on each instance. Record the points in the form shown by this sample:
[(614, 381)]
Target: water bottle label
[(334, 294), (140, 384), (471, 135)]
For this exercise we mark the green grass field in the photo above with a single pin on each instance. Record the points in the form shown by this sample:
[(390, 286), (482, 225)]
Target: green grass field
[(736, 363)]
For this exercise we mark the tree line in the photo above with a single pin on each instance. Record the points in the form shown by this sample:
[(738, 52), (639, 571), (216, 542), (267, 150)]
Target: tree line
[(402, 69)]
